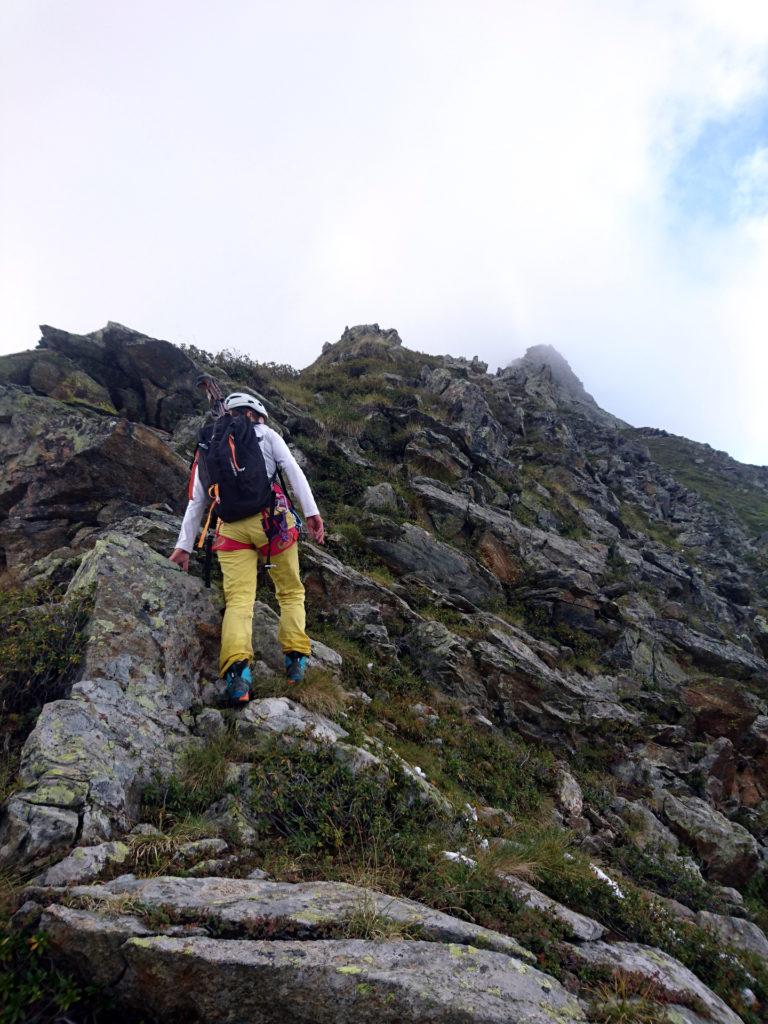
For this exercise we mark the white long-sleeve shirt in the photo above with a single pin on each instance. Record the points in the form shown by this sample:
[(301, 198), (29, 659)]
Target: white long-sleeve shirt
[(276, 454)]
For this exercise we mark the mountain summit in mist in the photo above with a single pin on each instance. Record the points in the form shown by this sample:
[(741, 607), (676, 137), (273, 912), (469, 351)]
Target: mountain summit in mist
[(543, 372)]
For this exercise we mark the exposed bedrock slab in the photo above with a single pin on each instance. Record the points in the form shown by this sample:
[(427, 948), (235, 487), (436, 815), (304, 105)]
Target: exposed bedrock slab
[(84, 864), (530, 547), (331, 586), (242, 906), (351, 981), (715, 655), (410, 549), (86, 760)]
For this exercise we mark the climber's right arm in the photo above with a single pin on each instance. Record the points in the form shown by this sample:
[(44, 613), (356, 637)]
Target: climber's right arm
[(190, 525)]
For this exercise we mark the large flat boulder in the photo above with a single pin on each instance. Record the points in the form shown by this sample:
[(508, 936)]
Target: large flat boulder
[(336, 981), (241, 907)]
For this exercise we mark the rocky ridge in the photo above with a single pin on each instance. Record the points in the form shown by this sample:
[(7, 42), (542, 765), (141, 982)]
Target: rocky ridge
[(506, 559)]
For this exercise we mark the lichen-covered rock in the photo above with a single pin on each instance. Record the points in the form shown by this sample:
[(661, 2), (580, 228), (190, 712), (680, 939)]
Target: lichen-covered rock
[(85, 762), (470, 413), (92, 944), (362, 341), (331, 585), (241, 907), (568, 794), (579, 926), (645, 830), (147, 379), (380, 498), (56, 376), (279, 716), (344, 981), (435, 455), (444, 660), (84, 864), (525, 689)]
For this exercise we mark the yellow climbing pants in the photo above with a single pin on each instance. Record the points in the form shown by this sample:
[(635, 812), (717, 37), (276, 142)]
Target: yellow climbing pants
[(239, 571)]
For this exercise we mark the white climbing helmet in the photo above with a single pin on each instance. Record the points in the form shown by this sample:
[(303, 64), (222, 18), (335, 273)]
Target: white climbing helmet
[(241, 399)]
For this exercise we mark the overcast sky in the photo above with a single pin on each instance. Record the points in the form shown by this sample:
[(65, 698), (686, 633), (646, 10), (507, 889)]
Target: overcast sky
[(482, 175)]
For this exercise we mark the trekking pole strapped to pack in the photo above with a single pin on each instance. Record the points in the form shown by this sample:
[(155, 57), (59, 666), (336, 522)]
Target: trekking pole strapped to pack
[(215, 398)]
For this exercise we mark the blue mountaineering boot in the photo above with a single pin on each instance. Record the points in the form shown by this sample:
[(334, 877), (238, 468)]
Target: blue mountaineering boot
[(238, 679), (295, 664)]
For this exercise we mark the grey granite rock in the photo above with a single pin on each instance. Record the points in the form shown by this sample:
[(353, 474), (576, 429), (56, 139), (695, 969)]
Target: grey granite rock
[(736, 932), (84, 864), (302, 910), (730, 854), (348, 981), (579, 926), (666, 972), (86, 760)]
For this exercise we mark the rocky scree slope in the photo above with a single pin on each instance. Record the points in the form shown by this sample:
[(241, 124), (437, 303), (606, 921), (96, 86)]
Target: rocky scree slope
[(527, 778)]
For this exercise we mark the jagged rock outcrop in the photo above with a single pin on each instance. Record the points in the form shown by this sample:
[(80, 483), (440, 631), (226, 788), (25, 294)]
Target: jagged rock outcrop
[(507, 564), (543, 374), (69, 469), (365, 340)]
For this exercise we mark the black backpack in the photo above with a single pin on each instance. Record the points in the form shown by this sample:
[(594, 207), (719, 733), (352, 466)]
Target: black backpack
[(231, 468)]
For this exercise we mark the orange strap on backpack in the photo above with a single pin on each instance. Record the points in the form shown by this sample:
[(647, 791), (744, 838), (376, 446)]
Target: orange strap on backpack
[(204, 532)]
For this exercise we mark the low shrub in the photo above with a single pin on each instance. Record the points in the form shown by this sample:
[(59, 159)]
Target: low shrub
[(200, 780), (635, 918), (41, 645), (666, 876), (470, 764), (33, 991), (311, 803)]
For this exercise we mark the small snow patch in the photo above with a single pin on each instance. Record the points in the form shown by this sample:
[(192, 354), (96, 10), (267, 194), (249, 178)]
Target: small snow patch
[(608, 881)]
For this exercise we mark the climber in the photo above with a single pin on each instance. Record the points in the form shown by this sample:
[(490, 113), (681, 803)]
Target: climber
[(243, 533)]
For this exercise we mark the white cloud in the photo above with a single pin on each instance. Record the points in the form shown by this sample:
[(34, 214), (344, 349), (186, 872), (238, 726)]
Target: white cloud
[(482, 178), (752, 184)]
